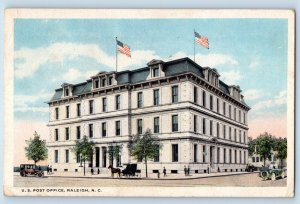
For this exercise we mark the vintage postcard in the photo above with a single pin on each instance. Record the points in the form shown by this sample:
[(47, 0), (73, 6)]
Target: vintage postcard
[(162, 103)]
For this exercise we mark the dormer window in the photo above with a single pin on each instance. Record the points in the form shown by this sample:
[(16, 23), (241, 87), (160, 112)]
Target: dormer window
[(103, 82), (110, 81), (155, 72), (66, 91), (96, 84)]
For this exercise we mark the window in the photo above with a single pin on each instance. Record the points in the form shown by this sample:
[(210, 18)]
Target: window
[(139, 126), (224, 131), (244, 118), (91, 131), (78, 159), (211, 128), (67, 111), (235, 135), (203, 99), (230, 156), (234, 112), (211, 101), (140, 99), (235, 156), (155, 72), (174, 152), (240, 136), (56, 156), (156, 125), (78, 132), (257, 159), (229, 111), (156, 157), (244, 157), (103, 82), (67, 133), (224, 108), (195, 123), (195, 94), (97, 83), (244, 137), (156, 97), (218, 131), (110, 80), (253, 159), (56, 113), (240, 157), (91, 106), (78, 109), (218, 155), (67, 156), (203, 126), (195, 153), (240, 117), (103, 129), (66, 91), (229, 133), (118, 128), (118, 100), (104, 104), (174, 123), (204, 154), (174, 94), (224, 156), (217, 105), (56, 135)]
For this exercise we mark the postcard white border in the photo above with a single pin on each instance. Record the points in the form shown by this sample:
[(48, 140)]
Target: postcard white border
[(11, 14)]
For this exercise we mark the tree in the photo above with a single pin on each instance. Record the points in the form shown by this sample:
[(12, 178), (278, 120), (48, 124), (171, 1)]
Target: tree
[(145, 146), (114, 152), (36, 149), (252, 143), (265, 144), (85, 149), (281, 148)]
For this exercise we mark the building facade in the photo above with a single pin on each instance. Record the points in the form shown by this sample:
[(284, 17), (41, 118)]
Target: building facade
[(273, 162), (200, 121)]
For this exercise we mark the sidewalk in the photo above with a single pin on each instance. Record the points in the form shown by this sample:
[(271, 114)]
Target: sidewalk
[(151, 176)]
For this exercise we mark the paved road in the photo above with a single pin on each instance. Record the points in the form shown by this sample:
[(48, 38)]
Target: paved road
[(234, 180)]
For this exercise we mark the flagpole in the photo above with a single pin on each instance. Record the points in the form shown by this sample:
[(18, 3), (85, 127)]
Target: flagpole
[(116, 54), (194, 45)]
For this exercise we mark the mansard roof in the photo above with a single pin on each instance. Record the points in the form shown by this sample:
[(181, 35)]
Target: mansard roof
[(171, 68)]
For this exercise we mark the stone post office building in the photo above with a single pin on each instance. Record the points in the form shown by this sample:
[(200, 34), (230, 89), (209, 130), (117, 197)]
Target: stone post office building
[(200, 121)]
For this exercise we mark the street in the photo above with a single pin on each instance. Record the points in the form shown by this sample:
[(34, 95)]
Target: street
[(247, 180)]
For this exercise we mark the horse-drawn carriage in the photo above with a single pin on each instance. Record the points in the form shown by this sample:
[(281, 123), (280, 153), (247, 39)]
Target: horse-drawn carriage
[(129, 171)]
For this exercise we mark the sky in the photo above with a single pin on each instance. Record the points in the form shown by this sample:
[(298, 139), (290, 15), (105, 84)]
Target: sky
[(251, 53)]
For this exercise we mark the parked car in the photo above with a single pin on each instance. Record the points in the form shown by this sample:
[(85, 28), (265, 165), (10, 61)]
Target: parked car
[(31, 169), (271, 173)]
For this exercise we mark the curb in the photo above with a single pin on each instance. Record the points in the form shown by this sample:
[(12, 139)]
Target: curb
[(152, 178)]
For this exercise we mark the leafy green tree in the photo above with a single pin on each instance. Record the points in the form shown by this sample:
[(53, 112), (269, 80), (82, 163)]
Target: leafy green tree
[(85, 149), (252, 143), (145, 146), (265, 143), (114, 151), (281, 148), (36, 149)]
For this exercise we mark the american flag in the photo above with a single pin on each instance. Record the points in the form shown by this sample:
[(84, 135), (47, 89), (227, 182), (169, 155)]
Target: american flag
[(202, 40), (123, 48)]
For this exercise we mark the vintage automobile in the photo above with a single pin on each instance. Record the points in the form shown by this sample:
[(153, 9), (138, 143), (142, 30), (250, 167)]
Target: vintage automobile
[(30, 169), (271, 173)]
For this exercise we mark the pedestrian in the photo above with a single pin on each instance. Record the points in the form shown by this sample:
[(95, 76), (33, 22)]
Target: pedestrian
[(165, 172), (92, 171), (48, 169), (98, 171), (158, 174), (185, 170), (39, 168), (188, 170)]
